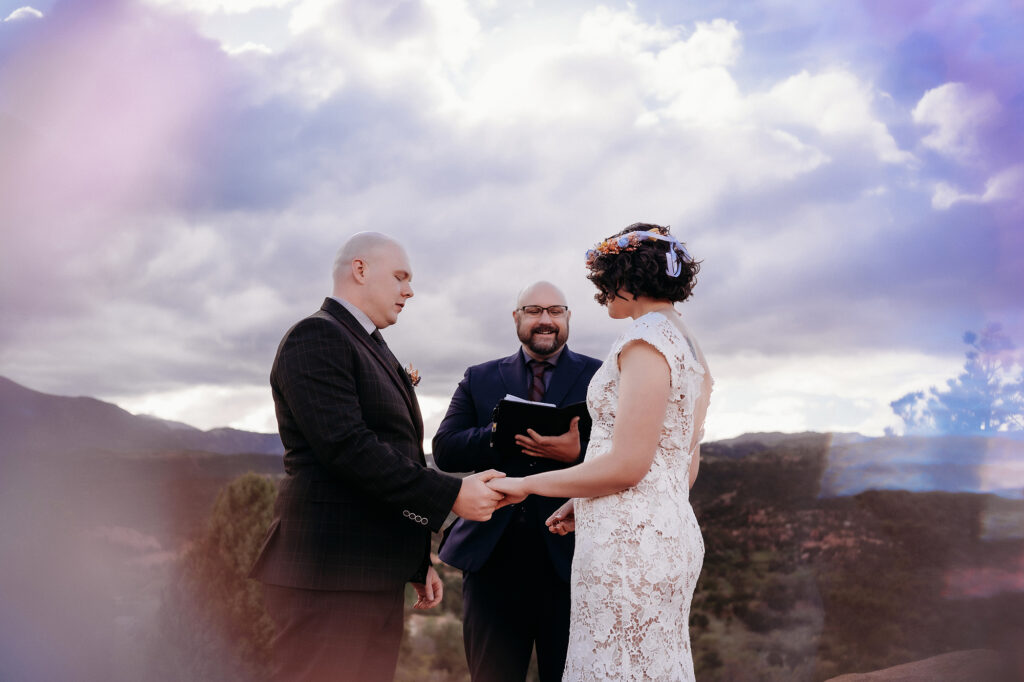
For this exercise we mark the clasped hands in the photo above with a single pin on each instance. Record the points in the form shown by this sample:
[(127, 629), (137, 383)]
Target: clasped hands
[(516, 490), (485, 492), (506, 491), (563, 448)]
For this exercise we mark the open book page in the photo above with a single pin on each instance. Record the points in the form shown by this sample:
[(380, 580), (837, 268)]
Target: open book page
[(517, 399)]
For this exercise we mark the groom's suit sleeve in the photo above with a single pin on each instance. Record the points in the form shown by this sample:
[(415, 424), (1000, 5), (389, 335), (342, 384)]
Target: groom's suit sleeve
[(460, 443), (327, 390)]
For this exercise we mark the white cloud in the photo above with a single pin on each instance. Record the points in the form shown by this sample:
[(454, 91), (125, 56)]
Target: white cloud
[(222, 6), (386, 44), (606, 29), (755, 392), (208, 406), (24, 13), (957, 114), (1005, 185), (835, 103), (184, 252), (247, 49), (241, 311), (457, 31), (1008, 184), (617, 65)]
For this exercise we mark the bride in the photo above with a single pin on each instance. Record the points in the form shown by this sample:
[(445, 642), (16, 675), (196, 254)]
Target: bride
[(638, 545)]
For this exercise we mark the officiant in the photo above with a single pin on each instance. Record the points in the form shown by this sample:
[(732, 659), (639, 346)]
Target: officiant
[(515, 572)]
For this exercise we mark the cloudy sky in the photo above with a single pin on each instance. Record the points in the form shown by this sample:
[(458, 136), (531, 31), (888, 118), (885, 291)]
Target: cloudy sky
[(176, 175)]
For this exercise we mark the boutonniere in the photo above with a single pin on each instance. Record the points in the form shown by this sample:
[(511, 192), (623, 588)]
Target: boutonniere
[(414, 374)]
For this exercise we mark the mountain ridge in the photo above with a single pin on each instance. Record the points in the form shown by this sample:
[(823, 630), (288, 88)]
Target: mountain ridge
[(44, 425), (38, 423)]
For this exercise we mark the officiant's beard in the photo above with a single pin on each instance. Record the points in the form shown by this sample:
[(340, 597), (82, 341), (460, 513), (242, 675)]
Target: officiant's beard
[(544, 344)]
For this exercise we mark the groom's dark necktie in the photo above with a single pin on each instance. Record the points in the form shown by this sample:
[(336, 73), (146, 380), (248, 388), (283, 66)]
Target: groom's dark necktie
[(376, 336), (538, 369)]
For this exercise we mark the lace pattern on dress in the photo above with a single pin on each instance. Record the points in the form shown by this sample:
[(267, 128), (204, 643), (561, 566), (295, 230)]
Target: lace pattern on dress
[(639, 551)]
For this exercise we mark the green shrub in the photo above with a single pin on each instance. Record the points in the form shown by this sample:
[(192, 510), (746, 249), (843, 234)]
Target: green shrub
[(212, 624)]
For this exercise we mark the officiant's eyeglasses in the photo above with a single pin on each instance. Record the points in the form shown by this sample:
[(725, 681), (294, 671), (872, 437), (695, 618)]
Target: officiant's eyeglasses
[(537, 310)]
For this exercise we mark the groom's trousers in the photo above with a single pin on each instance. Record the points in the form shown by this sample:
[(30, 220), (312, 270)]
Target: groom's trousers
[(334, 636), (515, 600)]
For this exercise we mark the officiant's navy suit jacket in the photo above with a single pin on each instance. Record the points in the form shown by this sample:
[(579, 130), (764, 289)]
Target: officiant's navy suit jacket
[(463, 443)]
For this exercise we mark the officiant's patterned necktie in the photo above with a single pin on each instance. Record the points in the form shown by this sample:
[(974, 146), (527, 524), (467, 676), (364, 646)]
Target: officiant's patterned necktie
[(539, 369)]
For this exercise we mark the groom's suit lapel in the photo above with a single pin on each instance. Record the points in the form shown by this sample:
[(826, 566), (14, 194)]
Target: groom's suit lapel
[(381, 354)]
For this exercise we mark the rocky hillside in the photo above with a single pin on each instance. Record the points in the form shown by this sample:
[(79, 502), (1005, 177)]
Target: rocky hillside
[(797, 586)]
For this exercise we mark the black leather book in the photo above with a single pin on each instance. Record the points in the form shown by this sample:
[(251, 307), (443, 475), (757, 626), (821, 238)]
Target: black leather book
[(513, 416)]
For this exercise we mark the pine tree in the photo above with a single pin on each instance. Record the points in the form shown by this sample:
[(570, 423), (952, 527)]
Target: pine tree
[(986, 398), (212, 621)]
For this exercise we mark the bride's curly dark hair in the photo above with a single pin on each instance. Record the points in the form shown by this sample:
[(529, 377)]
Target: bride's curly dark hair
[(641, 272)]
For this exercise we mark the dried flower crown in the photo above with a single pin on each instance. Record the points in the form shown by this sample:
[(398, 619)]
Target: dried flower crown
[(632, 240)]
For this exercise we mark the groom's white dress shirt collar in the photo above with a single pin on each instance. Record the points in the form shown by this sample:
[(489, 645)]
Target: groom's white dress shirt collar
[(360, 316)]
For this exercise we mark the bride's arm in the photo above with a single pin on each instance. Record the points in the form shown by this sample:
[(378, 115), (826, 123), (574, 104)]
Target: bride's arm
[(643, 399)]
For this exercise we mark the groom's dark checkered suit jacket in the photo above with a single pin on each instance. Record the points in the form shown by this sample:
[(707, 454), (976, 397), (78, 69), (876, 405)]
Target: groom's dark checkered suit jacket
[(358, 503)]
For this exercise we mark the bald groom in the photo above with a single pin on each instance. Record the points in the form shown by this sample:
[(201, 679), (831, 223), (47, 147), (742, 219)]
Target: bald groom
[(353, 518)]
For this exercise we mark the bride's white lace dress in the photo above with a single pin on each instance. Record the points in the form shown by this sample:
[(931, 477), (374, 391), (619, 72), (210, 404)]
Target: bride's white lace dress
[(639, 551)]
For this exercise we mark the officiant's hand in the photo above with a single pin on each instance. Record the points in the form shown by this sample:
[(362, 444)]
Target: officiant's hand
[(430, 592), (476, 501), (564, 448), (514, 490), (563, 520)]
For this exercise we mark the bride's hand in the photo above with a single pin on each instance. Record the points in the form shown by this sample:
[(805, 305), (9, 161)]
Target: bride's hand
[(563, 520), (514, 490)]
